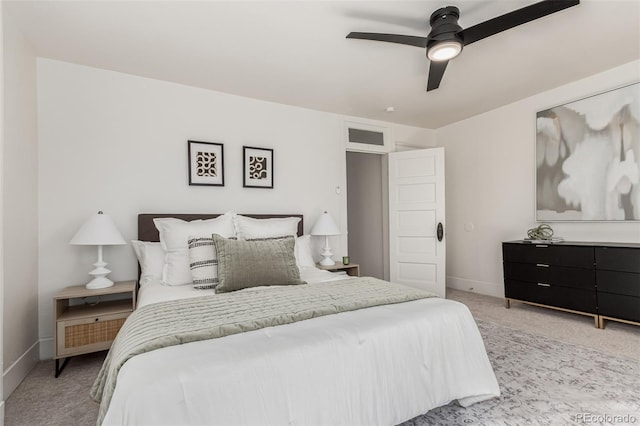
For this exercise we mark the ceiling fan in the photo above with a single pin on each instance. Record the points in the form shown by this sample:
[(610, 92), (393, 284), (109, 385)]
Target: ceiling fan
[(447, 38)]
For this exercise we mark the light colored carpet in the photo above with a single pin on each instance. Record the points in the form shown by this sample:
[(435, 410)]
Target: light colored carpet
[(41, 399), (546, 382), (543, 380), (617, 338)]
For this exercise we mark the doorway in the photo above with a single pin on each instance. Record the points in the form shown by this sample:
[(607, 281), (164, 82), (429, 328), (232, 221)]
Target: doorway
[(367, 213)]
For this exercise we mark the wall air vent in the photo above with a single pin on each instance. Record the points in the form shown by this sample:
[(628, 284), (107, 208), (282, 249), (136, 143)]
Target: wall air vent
[(367, 138)]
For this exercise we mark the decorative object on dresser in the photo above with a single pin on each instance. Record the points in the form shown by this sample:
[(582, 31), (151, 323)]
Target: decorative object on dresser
[(325, 226), (257, 167), (542, 233), (586, 167), (601, 280), (206, 163), (86, 327), (99, 231), (352, 269)]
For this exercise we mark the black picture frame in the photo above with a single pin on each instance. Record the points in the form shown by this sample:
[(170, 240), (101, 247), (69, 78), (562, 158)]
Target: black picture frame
[(206, 163), (257, 167)]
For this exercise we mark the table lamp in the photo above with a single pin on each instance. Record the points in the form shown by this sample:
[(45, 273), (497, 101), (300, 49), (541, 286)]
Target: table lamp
[(99, 231), (325, 226)]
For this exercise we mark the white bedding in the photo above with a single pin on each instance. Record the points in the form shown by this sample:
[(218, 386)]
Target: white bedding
[(380, 365), (153, 291)]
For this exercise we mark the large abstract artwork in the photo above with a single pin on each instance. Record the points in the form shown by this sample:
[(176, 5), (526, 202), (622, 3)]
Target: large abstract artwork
[(588, 158)]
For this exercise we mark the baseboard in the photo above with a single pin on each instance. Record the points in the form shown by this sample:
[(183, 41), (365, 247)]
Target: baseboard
[(17, 371), (46, 348), (475, 286)]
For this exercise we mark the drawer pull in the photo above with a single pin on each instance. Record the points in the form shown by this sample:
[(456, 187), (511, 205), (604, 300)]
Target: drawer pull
[(542, 265), (542, 245), (544, 285), (97, 319)]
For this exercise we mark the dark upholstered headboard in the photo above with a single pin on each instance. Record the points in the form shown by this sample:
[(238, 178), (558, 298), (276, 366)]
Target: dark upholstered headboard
[(147, 231)]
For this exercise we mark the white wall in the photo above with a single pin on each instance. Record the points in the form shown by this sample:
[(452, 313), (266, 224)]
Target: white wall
[(408, 138), (490, 184), (1, 214), (20, 218), (118, 143)]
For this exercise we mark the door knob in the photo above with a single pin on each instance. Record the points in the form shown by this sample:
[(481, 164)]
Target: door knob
[(440, 231)]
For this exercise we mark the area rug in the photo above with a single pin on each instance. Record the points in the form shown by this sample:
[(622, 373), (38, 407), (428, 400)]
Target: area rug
[(546, 382), (543, 382)]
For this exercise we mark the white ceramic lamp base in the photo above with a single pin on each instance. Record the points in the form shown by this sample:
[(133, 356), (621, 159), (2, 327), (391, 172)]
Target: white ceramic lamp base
[(99, 282), (99, 274), (326, 254)]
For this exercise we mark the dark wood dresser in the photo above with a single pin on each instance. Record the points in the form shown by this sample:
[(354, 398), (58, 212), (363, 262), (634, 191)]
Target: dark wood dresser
[(601, 280)]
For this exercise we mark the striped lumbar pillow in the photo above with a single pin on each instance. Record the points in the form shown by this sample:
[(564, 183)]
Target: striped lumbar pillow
[(203, 262)]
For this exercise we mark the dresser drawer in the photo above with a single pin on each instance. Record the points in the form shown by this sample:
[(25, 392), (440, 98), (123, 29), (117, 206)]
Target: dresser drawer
[(618, 259), (550, 254), (617, 306), (618, 282), (551, 274), (82, 335), (552, 295)]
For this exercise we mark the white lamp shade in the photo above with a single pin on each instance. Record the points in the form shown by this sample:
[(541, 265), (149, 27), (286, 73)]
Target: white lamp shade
[(98, 230), (325, 225)]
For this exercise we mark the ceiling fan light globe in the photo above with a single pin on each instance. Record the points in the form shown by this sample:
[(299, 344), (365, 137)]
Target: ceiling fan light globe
[(444, 51)]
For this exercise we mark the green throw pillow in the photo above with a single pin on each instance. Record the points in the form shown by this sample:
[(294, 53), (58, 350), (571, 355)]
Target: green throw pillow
[(254, 263)]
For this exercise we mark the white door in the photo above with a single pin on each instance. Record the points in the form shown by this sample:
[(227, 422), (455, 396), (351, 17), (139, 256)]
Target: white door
[(416, 212)]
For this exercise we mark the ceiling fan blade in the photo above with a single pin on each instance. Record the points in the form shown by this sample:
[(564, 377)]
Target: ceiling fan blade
[(436, 71), (391, 38), (513, 19)]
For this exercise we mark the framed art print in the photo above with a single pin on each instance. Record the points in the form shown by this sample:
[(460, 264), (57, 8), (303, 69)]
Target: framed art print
[(257, 167), (587, 158), (206, 163)]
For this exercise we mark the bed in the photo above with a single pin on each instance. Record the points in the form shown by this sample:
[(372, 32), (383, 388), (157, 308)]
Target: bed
[(383, 364)]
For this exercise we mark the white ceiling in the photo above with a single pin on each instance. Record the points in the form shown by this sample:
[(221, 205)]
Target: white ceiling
[(296, 52)]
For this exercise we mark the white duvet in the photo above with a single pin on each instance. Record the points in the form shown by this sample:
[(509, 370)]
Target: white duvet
[(380, 365)]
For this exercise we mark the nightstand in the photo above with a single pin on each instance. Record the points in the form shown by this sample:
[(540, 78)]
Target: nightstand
[(82, 328), (352, 269)]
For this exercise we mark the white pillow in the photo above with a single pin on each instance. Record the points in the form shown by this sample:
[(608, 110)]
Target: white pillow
[(151, 259), (174, 236), (248, 228), (303, 251)]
